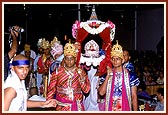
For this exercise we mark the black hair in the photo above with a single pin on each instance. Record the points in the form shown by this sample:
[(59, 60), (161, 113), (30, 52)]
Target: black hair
[(142, 85), (33, 90), (161, 91)]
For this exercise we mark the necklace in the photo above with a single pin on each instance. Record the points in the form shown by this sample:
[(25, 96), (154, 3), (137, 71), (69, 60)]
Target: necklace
[(70, 89)]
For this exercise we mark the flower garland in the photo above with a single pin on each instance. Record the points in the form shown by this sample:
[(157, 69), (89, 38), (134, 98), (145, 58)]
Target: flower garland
[(93, 30), (95, 61), (75, 27)]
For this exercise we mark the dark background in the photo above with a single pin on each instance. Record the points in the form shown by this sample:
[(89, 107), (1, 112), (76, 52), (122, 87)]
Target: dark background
[(138, 26)]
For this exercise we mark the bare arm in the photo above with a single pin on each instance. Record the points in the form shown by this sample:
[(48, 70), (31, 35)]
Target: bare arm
[(84, 80), (102, 89), (48, 103), (31, 104), (134, 98), (9, 95)]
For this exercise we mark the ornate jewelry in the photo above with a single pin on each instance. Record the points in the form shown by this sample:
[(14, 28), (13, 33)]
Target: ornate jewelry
[(70, 49), (117, 50)]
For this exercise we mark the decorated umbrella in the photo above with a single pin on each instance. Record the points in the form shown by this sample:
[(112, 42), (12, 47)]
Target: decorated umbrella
[(93, 26)]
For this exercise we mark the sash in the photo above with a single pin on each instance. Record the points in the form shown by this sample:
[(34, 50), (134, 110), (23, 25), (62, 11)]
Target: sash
[(126, 98), (107, 103), (74, 105), (126, 76)]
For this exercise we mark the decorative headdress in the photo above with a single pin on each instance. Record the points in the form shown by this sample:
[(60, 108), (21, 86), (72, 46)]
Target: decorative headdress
[(39, 43), (69, 49), (45, 44), (117, 50), (92, 49), (56, 47), (55, 40), (27, 47)]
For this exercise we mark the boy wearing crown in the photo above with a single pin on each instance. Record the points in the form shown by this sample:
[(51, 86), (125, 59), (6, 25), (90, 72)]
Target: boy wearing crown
[(120, 85), (43, 65), (45, 60), (57, 54), (69, 83), (38, 75)]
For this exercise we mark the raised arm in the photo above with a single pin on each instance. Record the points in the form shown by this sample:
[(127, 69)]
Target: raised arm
[(102, 89), (14, 44), (84, 81)]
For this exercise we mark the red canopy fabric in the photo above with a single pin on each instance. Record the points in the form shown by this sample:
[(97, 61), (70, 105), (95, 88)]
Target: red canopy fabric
[(104, 30)]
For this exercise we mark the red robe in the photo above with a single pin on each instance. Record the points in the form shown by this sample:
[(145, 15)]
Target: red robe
[(43, 66)]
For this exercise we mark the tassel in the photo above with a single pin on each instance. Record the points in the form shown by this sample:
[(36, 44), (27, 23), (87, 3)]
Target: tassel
[(45, 86)]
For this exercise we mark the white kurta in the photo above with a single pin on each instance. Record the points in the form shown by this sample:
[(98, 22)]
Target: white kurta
[(90, 102), (37, 98)]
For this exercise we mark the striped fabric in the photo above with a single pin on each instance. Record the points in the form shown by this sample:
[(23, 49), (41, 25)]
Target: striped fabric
[(61, 80)]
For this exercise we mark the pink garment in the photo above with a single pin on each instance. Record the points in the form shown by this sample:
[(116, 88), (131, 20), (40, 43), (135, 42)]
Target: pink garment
[(125, 103), (101, 106), (74, 106)]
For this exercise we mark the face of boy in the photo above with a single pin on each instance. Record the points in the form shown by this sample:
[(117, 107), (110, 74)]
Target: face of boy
[(126, 56), (116, 61), (47, 51), (69, 61), (21, 71), (28, 53)]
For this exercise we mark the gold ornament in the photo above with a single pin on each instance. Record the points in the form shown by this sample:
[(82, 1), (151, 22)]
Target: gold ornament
[(55, 40), (142, 107), (70, 49), (45, 44), (117, 50)]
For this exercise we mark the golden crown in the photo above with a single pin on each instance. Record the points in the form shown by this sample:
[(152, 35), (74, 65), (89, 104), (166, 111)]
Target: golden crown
[(117, 50), (55, 40), (45, 44), (70, 49)]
